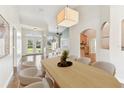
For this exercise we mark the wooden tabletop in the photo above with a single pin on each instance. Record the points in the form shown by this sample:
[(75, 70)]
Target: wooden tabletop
[(79, 75)]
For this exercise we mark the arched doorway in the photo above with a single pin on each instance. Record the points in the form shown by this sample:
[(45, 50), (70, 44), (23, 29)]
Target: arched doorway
[(88, 44)]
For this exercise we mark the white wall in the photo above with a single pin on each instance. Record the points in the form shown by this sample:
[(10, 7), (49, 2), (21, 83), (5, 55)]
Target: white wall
[(6, 63), (89, 17), (103, 54), (93, 17), (65, 39), (116, 56)]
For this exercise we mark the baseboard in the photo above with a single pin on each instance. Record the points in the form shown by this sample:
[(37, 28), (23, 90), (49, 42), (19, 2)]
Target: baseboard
[(9, 80)]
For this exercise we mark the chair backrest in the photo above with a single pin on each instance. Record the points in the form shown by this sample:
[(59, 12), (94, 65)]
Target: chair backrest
[(27, 64), (72, 57), (29, 72), (41, 84), (84, 60), (106, 66)]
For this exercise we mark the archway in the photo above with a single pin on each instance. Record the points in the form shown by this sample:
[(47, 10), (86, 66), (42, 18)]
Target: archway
[(88, 44)]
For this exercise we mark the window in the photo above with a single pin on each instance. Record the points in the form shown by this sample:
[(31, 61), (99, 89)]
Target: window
[(30, 46)]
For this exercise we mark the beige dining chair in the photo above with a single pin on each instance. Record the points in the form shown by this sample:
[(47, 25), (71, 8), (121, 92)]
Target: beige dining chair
[(122, 85), (45, 83), (106, 66), (72, 57), (27, 64), (84, 60), (29, 75)]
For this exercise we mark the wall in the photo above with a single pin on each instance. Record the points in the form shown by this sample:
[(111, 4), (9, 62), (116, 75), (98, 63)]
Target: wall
[(89, 17), (65, 39), (93, 17), (116, 56), (6, 63), (103, 54)]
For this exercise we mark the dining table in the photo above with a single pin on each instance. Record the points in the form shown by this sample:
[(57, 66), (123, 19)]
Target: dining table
[(78, 75)]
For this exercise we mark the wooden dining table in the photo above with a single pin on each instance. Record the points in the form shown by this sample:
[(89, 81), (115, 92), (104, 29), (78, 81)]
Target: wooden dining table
[(79, 75)]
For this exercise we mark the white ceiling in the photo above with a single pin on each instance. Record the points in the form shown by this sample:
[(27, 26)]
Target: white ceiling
[(41, 16)]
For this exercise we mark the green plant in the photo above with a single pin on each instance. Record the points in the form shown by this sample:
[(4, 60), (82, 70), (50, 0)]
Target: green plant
[(64, 56)]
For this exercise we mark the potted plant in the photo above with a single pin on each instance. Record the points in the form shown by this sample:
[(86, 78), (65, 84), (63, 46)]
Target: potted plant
[(63, 59), (64, 56)]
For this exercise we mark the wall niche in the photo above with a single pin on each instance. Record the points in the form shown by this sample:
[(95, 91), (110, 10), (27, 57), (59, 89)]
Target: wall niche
[(105, 29)]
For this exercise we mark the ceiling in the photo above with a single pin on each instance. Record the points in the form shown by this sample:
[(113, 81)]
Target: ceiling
[(40, 16)]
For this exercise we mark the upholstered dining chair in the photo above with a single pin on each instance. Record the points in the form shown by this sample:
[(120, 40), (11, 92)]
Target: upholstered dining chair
[(84, 60), (29, 75), (27, 64), (106, 66), (45, 83), (72, 57)]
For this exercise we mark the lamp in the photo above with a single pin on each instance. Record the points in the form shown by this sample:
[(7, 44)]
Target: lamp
[(67, 17)]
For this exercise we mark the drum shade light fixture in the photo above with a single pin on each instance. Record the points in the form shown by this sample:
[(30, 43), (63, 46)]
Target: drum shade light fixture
[(67, 17)]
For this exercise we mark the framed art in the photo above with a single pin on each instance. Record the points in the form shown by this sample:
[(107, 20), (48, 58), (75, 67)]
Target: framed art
[(4, 37)]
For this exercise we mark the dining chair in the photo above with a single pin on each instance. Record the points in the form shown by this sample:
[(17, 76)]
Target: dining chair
[(122, 85), (27, 64), (41, 84), (29, 75), (72, 57), (106, 66), (84, 60)]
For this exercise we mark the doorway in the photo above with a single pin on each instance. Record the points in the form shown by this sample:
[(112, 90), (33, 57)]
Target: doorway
[(34, 45), (88, 44)]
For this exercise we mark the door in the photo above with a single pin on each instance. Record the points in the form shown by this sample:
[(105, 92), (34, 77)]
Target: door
[(34, 45)]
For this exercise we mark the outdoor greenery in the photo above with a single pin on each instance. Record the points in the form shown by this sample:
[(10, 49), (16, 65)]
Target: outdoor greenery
[(38, 47)]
